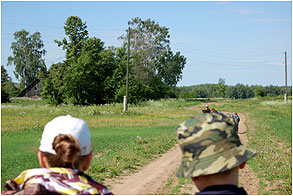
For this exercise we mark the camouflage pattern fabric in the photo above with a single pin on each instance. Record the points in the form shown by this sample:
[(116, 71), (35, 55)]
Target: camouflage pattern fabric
[(210, 144)]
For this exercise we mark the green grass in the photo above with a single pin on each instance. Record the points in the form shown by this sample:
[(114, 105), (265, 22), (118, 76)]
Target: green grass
[(18, 152), (121, 141), (282, 127), (115, 149), (35, 114), (178, 189)]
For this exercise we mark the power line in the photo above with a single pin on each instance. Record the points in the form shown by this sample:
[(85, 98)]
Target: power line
[(221, 60), (215, 53), (59, 27), (31, 25), (61, 36)]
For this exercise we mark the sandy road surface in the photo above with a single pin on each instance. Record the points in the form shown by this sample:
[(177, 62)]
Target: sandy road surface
[(151, 178)]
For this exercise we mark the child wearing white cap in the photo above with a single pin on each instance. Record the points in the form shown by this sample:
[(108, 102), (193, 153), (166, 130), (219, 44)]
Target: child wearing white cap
[(64, 154)]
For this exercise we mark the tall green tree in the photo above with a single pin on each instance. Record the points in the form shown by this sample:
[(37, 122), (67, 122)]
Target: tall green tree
[(221, 88), (77, 34), (28, 51), (85, 79), (85, 76), (152, 60), (115, 84)]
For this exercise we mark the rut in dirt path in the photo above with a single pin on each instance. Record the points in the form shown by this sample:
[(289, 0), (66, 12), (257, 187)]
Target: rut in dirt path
[(152, 178)]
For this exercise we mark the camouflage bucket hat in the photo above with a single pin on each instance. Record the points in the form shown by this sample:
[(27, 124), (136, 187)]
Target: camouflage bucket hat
[(210, 144)]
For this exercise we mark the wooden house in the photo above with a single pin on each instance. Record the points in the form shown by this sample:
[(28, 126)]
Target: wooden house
[(33, 90)]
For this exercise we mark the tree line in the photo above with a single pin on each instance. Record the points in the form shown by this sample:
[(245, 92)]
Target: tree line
[(94, 74), (238, 91)]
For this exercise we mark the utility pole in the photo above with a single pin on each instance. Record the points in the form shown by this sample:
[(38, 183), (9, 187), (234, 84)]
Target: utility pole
[(285, 96), (127, 68)]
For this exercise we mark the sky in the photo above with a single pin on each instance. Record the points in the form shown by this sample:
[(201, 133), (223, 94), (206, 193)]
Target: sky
[(240, 41)]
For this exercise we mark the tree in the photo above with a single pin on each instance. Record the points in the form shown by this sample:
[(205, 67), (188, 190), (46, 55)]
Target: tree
[(76, 31), (169, 68), (243, 92), (4, 75), (152, 60), (148, 42), (231, 92), (115, 84), (85, 77), (27, 56), (53, 84), (221, 88), (258, 90), (4, 79)]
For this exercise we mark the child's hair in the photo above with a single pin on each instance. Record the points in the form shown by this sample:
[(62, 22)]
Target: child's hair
[(67, 152)]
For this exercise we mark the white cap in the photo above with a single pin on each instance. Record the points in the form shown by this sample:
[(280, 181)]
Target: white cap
[(66, 125)]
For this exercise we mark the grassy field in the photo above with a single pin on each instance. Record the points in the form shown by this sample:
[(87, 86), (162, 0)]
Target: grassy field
[(123, 142)]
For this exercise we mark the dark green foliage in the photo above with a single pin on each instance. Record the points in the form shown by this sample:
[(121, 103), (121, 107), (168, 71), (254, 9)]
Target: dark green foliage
[(81, 78), (84, 80), (8, 89), (4, 96), (4, 75), (4, 79), (53, 85), (276, 90), (92, 74), (239, 91), (201, 90), (258, 90), (11, 89), (221, 88), (170, 67)]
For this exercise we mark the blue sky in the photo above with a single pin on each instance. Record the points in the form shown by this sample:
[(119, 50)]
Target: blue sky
[(240, 41)]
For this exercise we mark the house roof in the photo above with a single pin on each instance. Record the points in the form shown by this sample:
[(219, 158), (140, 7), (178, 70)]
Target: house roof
[(29, 87)]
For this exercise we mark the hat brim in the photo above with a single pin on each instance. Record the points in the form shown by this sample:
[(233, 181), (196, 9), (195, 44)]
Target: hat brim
[(219, 162)]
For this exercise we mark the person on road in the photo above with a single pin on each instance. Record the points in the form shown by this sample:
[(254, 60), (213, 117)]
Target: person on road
[(213, 110), (64, 155), (212, 154), (206, 110), (236, 119)]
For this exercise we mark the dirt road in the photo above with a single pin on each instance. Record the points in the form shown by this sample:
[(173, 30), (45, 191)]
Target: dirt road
[(152, 178)]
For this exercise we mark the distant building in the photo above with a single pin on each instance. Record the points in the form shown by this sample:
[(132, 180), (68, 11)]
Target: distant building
[(33, 90)]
